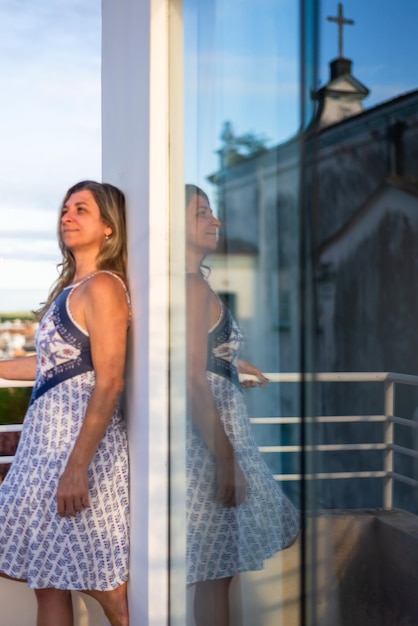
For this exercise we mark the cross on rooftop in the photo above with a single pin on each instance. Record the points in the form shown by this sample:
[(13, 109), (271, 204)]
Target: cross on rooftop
[(341, 21)]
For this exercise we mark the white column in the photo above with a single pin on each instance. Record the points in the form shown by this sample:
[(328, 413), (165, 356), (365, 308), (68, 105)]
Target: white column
[(135, 118)]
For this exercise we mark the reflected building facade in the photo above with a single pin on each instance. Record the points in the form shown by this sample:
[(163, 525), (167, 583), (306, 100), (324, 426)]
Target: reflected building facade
[(364, 221)]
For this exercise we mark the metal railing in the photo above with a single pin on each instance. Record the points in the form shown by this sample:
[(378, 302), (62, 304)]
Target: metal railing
[(388, 419), (11, 428)]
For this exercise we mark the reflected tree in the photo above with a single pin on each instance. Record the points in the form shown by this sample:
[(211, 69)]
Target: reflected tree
[(238, 148)]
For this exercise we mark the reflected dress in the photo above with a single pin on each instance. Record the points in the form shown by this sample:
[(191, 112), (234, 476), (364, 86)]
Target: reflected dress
[(89, 550), (224, 541)]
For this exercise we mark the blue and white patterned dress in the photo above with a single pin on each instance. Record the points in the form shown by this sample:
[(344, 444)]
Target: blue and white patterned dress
[(224, 541), (89, 550)]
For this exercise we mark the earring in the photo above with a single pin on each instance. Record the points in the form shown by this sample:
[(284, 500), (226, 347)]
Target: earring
[(107, 237)]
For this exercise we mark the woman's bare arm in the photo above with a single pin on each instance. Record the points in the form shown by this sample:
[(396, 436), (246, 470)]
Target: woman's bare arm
[(23, 368), (202, 407), (106, 315)]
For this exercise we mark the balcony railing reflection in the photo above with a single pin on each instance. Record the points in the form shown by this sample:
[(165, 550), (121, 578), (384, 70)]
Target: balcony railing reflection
[(388, 419)]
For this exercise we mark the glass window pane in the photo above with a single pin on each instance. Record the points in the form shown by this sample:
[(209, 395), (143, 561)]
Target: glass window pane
[(364, 230), (316, 261), (242, 149)]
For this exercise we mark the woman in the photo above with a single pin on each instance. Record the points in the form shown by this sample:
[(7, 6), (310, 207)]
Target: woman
[(237, 514), (64, 503)]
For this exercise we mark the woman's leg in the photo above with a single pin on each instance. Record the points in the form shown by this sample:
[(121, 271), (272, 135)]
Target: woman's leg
[(55, 607), (211, 602), (114, 603)]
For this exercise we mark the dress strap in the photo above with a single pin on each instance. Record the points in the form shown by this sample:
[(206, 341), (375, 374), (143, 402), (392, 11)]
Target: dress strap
[(86, 278)]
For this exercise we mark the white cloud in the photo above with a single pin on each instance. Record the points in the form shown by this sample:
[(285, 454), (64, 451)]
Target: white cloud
[(21, 275), (50, 124), (50, 107)]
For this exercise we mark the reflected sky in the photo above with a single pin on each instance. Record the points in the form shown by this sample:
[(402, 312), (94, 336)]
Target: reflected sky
[(241, 66), (241, 61), (382, 44)]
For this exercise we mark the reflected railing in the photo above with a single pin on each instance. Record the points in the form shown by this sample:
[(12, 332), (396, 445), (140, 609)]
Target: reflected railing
[(388, 419)]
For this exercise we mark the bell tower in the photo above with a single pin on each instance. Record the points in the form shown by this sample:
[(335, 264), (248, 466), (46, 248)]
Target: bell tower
[(343, 95)]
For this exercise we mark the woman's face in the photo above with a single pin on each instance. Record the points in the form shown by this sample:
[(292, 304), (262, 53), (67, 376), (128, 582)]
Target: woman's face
[(201, 225), (81, 224)]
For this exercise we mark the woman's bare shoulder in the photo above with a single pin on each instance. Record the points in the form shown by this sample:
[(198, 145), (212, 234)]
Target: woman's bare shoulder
[(105, 290), (105, 282), (197, 285), (201, 300)]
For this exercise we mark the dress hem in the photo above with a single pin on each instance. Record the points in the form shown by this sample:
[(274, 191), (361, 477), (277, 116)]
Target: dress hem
[(243, 569), (33, 585)]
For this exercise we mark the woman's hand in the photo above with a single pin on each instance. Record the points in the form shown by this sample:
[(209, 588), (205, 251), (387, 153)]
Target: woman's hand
[(255, 378), (232, 485), (73, 492)]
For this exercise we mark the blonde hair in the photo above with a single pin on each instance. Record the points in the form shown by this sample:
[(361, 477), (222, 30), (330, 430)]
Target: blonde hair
[(113, 254), (190, 191), (194, 190)]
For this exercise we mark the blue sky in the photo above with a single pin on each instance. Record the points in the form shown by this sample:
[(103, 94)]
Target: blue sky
[(50, 130), (382, 44), (241, 65), (253, 78)]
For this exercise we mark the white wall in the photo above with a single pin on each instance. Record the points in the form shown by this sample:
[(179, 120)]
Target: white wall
[(135, 157)]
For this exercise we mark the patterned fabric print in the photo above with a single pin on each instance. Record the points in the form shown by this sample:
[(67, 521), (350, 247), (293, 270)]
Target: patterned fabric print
[(53, 351), (224, 541), (90, 550), (63, 349), (224, 341)]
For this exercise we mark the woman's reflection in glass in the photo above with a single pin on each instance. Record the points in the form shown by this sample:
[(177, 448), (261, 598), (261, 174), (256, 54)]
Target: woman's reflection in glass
[(237, 515)]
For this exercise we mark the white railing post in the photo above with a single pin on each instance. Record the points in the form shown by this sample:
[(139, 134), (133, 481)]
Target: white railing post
[(388, 434)]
